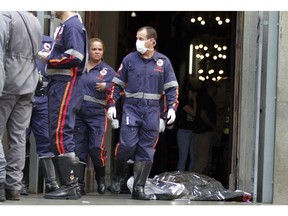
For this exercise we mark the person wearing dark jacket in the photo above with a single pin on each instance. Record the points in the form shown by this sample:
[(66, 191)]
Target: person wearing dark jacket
[(91, 121), (143, 75), (39, 127), (205, 126), (65, 64), (186, 114)]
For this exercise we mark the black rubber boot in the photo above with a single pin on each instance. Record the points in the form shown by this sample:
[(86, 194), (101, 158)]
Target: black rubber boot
[(49, 173), (95, 155), (141, 173), (67, 168), (25, 178), (100, 179), (2, 193), (119, 171), (125, 178), (81, 178)]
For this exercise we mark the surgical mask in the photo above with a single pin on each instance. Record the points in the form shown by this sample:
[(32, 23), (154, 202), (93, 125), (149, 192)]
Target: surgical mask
[(140, 46)]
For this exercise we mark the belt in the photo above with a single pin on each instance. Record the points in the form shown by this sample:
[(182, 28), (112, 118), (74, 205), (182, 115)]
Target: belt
[(95, 100), (66, 72), (137, 101)]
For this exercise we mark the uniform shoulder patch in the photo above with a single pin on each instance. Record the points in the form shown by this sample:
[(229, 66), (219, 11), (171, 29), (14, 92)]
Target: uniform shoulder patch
[(160, 62)]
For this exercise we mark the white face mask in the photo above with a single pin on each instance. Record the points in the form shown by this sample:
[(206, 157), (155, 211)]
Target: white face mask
[(140, 46)]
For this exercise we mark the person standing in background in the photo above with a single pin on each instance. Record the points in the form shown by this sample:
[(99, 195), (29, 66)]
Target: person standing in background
[(39, 127), (205, 126), (186, 114), (23, 32), (65, 64), (91, 121), (143, 75)]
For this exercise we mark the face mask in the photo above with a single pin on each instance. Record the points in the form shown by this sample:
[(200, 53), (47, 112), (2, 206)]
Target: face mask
[(140, 46)]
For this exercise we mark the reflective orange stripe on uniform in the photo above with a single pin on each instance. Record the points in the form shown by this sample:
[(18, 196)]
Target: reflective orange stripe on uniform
[(103, 142), (63, 112), (64, 60)]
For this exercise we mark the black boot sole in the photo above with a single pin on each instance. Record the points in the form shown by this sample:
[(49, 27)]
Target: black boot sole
[(70, 194), (113, 191)]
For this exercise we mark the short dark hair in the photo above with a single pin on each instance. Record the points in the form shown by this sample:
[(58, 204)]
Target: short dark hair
[(151, 32)]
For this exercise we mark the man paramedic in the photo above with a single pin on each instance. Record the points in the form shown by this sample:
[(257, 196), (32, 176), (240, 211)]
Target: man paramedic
[(65, 63), (144, 75)]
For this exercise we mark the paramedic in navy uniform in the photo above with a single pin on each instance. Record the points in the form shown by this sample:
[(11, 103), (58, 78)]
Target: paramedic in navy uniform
[(39, 127), (91, 120), (144, 75), (65, 64)]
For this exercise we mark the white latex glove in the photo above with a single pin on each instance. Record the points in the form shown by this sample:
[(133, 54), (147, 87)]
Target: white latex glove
[(115, 124), (111, 113), (43, 55), (171, 116), (161, 125)]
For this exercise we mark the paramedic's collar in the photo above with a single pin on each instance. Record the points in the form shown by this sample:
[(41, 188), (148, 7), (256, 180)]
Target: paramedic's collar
[(76, 14), (156, 56), (99, 66)]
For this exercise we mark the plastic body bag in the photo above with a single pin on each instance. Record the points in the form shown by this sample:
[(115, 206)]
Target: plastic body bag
[(162, 190), (191, 186)]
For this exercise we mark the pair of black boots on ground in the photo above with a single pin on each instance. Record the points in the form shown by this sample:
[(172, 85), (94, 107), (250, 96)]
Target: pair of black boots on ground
[(141, 170), (71, 173)]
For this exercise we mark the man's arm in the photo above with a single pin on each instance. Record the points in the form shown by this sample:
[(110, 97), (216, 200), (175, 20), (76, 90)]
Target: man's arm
[(4, 37), (74, 52)]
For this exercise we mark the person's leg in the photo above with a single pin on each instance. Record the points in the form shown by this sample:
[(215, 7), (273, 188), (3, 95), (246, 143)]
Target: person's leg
[(81, 139), (67, 167), (48, 169), (160, 163), (203, 152), (40, 128), (144, 153), (119, 172), (191, 153), (6, 104), (16, 131), (64, 99), (2, 173), (183, 141), (97, 121), (211, 139), (99, 167), (125, 149), (25, 178)]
